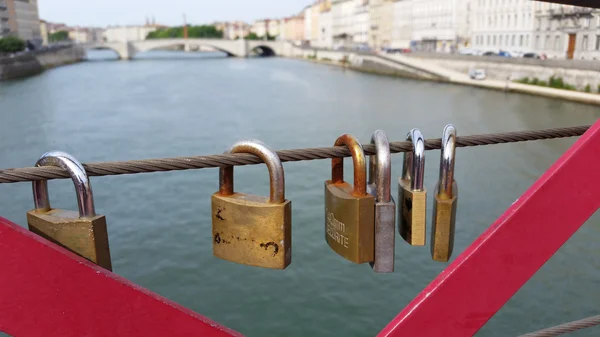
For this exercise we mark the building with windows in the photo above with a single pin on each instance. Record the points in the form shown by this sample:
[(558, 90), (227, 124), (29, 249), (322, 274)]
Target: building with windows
[(381, 16), (259, 27), (402, 24), (4, 27), (325, 32), (127, 33), (234, 30), (20, 18), (361, 22), (293, 28), (505, 25), (562, 31), (308, 22), (441, 25), (350, 22)]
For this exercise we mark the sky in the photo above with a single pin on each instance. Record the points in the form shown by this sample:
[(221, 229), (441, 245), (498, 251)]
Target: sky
[(100, 13)]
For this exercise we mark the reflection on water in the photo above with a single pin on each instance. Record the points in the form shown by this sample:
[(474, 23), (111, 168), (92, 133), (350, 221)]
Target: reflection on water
[(200, 103)]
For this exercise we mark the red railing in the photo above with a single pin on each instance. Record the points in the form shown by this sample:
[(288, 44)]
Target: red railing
[(492, 269), (48, 291)]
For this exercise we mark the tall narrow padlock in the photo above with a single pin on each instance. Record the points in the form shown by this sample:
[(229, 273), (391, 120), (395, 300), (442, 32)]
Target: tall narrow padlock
[(380, 176), (83, 233), (349, 211), (412, 193), (445, 200), (250, 229)]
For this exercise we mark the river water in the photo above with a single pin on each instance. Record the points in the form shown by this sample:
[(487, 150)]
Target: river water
[(166, 104)]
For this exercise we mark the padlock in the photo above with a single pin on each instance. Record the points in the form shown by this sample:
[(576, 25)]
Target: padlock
[(350, 211), (412, 193), (445, 200), (250, 229), (84, 232), (380, 173)]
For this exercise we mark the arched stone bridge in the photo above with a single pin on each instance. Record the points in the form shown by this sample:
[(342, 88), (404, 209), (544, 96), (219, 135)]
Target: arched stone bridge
[(237, 48)]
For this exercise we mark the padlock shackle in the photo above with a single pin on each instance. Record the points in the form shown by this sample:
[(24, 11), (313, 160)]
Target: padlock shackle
[(380, 166), (259, 149), (414, 162), (83, 186), (447, 159), (360, 164)]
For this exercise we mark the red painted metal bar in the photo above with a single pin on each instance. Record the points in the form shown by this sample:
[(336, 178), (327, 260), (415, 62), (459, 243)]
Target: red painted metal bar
[(48, 291), (490, 271)]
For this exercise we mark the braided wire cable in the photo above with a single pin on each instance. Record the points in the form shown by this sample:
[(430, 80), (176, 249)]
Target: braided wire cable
[(566, 327), (221, 160)]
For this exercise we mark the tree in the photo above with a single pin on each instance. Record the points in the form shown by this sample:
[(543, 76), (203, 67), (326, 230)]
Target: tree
[(253, 36), (61, 35), (11, 44), (204, 31)]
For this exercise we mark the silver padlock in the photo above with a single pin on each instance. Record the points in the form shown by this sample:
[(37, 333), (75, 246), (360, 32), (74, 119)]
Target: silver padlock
[(380, 177)]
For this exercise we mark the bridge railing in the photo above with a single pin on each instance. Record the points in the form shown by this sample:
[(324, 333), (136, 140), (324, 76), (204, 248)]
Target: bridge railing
[(48, 291)]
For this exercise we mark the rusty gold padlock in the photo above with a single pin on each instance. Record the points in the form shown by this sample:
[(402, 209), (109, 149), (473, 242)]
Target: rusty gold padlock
[(349, 211), (83, 233), (412, 193), (380, 176), (250, 229), (445, 200)]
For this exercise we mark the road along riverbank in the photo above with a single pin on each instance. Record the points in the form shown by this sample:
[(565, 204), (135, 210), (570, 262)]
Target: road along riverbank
[(503, 72), (29, 64)]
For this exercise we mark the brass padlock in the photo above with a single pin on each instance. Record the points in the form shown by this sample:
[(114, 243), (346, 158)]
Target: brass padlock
[(412, 193), (250, 229), (349, 211), (380, 174), (445, 200), (83, 233)]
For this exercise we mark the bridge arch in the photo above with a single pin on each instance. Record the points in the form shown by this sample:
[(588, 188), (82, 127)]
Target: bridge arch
[(264, 51), (100, 47)]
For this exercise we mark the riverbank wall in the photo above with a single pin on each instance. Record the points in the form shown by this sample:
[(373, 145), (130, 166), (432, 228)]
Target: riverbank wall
[(369, 63), (578, 73), (29, 64), (502, 72)]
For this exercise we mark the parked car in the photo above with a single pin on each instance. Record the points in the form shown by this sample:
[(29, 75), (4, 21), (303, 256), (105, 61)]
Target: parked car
[(504, 53), (397, 50), (531, 56), (490, 53), (467, 51), (477, 74)]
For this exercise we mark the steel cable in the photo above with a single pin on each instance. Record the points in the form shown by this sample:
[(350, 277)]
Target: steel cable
[(221, 160), (566, 327)]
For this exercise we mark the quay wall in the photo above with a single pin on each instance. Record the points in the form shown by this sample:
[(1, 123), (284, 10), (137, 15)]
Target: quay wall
[(29, 64), (574, 72)]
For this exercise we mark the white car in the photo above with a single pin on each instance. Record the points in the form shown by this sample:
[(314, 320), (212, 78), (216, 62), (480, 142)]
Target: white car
[(467, 51), (477, 74)]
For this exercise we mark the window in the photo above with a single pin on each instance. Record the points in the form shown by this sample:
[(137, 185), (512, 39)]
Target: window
[(537, 42), (557, 43), (527, 41), (586, 22), (597, 42), (584, 43), (547, 42), (494, 40), (488, 40), (513, 41), (521, 40)]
